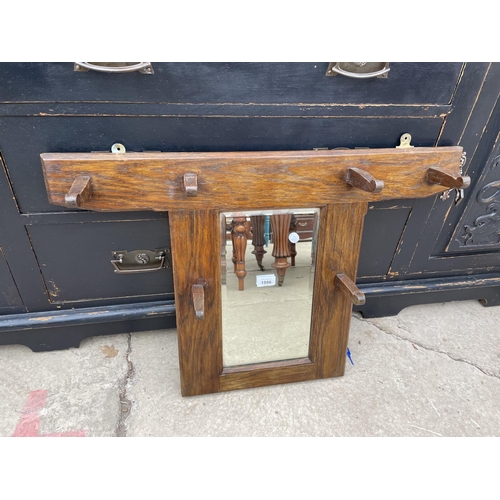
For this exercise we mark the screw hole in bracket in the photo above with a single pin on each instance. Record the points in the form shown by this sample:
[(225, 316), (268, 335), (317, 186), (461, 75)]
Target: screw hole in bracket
[(118, 148)]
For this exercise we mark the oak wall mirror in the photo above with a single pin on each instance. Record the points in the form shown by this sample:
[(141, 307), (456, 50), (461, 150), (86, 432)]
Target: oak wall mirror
[(265, 245)]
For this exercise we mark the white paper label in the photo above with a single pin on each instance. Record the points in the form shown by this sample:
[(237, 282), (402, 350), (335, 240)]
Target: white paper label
[(293, 237), (266, 280)]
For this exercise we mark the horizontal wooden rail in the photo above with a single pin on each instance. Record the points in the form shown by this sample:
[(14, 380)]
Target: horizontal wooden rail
[(284, 179)]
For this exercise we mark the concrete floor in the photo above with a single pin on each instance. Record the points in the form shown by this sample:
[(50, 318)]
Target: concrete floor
[(279, 317), (433, 370)]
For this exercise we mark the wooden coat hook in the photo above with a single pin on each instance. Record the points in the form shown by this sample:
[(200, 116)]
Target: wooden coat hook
[(349, 289), (198, 293), (191, 184), (79, 192), (361, 179), (453, 181)]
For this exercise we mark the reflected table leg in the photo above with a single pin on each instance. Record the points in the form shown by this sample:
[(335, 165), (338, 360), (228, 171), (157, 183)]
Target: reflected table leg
[(223, 264), (239, 237), (281, 250), (258, 240)]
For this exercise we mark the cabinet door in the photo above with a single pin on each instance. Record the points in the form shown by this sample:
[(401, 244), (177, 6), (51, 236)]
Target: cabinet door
[(384, 224), (10, 300), (75, 258), (438, 236), (188, 107)]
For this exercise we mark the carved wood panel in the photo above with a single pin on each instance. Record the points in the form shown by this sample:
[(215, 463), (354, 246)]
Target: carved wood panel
[(479, 226)]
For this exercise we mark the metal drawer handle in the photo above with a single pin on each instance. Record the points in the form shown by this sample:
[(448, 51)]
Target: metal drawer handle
[(142, 67), (335, 69), (139, 261), (302, 224)]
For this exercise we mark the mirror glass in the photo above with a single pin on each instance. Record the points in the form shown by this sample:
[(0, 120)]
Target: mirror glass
[(267, 262)]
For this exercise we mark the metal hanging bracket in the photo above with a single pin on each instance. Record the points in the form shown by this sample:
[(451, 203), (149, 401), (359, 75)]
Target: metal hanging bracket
[(118, 149), (404, 141)]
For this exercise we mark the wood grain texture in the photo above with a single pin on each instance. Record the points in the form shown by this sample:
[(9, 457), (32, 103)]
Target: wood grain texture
[(338, 252), (195, 239), (155, 181), (263, 374)]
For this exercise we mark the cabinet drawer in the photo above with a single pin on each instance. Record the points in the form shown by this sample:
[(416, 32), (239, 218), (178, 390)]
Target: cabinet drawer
[(384, 224), (75, 258), (305, 227), (10, 299), (229, 83)]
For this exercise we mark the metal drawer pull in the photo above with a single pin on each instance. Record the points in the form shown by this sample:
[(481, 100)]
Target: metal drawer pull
[(142, 67), (139, 261), (353, 70), (79, 192), (302, 224)]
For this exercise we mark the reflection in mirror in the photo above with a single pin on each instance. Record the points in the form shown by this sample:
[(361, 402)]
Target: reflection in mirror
[(267, 262)]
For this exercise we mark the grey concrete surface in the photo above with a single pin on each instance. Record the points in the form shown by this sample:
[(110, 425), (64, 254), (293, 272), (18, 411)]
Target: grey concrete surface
[(431, 371), (83, 386)]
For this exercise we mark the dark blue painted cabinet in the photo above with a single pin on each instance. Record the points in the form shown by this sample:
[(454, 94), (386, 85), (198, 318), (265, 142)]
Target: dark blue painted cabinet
[(57, 282)]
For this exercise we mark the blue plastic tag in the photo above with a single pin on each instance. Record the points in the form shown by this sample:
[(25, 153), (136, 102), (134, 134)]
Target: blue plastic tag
[(349, 356)]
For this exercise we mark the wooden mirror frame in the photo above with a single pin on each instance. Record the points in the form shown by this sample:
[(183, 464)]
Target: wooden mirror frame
[(196, 187)]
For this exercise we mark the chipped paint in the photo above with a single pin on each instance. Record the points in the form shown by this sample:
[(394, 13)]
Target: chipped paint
[(44, 318), (53, 289)]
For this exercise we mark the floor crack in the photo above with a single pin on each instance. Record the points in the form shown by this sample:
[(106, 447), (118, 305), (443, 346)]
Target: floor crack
[(125, 402), (429, 348)]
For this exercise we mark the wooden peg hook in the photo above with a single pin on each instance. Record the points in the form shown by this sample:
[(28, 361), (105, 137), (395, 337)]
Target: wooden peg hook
[(361, 179), (349, 289), (198, 292), (191, 184), (79, 193), (452, 181)]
